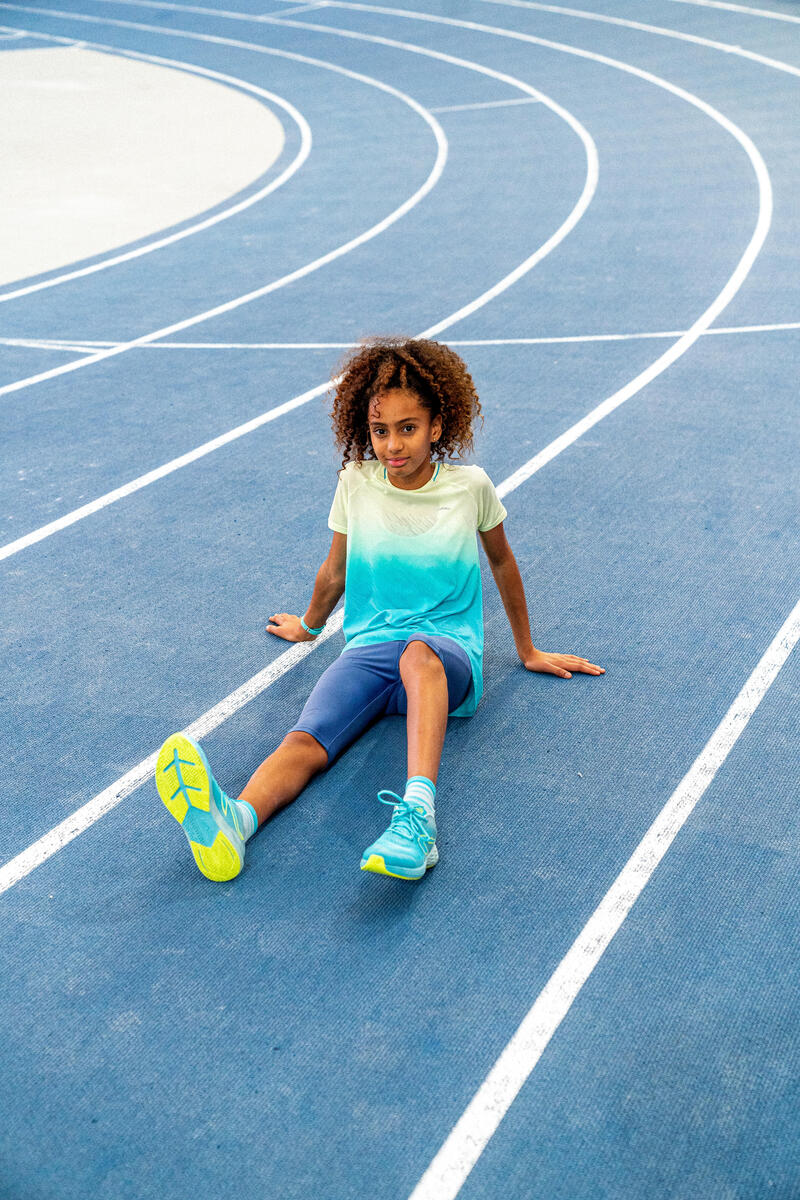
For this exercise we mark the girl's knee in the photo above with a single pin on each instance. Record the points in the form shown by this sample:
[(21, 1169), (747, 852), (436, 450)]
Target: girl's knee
[(418, 656), (311, 749)]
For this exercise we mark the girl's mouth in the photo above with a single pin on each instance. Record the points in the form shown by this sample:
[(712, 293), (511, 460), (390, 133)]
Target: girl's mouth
[(397, 462)]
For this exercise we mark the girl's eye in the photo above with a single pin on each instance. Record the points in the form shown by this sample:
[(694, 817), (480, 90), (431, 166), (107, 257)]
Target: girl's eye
[(410, 428)]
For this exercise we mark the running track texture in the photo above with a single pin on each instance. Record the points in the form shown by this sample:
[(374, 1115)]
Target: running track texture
[(595, 994)]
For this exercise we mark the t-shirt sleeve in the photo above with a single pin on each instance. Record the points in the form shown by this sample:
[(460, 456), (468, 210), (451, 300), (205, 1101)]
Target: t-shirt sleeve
[(490, 507), (337, 520)]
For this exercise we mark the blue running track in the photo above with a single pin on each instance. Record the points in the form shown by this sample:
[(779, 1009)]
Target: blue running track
[(307, 1030)]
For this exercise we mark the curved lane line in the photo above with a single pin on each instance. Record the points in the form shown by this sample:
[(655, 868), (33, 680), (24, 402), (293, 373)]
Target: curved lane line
[(720, 302), (229, 305), (659, 30), (557, 340), (741, 8), (199, 10), (590, 185), (230, 81)]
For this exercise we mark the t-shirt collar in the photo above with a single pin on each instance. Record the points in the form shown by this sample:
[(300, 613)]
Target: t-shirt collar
[(431, 481)]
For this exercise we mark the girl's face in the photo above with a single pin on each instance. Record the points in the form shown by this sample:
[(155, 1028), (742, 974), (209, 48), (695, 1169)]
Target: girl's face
[(401, 432)]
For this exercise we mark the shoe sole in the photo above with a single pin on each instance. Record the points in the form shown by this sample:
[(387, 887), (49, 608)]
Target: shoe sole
[(377, 865), (183, 780)]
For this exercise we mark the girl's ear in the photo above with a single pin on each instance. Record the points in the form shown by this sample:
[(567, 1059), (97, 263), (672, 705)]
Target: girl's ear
[(436, 429)]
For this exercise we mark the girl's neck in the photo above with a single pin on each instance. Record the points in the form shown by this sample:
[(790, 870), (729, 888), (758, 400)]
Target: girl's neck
[(413, 482)]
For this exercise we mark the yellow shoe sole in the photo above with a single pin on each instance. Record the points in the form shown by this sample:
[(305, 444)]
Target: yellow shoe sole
[(183, 781), (377, 865)]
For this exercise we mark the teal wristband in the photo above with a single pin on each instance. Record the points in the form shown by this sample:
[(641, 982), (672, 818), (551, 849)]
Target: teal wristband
[(315, 632)]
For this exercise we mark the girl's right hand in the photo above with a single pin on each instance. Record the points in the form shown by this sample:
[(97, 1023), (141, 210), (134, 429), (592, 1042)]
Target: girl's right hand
[(287, 626)]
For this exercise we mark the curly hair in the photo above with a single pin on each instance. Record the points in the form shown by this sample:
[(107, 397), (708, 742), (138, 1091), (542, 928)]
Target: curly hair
[(437, 375)]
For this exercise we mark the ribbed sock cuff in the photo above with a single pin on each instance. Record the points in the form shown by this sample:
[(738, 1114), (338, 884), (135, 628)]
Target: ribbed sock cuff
[(248, 817), (420, 789)]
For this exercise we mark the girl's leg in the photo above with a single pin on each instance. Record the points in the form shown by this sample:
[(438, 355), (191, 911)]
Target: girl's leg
[(349, 695), (425, 682), (408, 847), (282, 777)]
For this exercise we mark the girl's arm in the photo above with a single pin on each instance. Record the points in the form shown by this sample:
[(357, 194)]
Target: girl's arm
[(509, 585), (328, 589)]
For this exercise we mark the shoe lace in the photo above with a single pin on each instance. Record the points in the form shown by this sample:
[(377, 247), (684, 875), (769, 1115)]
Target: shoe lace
[(408, 820)]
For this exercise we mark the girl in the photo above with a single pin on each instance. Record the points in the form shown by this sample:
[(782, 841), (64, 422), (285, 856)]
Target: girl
[(404, 553)]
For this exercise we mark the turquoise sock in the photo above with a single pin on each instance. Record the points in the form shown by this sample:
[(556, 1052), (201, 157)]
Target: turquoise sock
[(421, 790), (248, 816)]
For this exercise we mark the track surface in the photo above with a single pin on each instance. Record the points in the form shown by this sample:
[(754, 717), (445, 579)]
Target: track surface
[(306, 1029)]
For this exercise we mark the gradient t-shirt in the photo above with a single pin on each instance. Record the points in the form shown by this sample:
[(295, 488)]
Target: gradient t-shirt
[(412, 558)]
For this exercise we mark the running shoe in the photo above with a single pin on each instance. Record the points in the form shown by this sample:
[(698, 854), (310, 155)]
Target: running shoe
[(408, 847), (205, 814)]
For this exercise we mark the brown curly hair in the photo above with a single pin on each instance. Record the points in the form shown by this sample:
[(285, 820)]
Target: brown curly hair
[(432, 370)]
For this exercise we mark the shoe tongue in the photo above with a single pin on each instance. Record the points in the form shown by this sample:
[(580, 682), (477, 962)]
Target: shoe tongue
[(409, 817)]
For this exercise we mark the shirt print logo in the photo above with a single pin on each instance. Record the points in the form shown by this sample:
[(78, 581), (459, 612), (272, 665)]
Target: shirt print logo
[(407, 521)]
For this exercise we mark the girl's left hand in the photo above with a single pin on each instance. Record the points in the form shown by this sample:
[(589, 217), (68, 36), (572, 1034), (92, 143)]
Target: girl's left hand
[(560, 664)]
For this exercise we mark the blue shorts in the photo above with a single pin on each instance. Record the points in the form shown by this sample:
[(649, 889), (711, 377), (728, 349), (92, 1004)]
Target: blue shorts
[(364, 684)]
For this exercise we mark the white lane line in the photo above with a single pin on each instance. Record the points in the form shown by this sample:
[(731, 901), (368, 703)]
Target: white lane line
[(230, 305), (231, 81), (484, 104), (53, 841), (742, 8), (198, 9), (658, 30), (615, 337), (56, 344), (36, 344), (303, 8), (589, 187), (452, 1164), (561, 339)]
